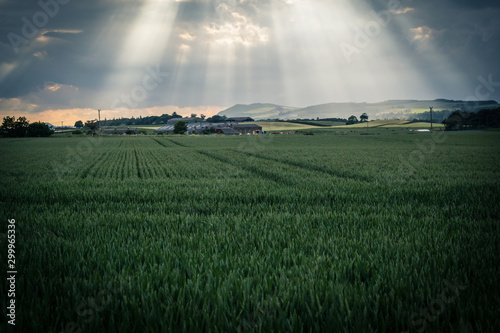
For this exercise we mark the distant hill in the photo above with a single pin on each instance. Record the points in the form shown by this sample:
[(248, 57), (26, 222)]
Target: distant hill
[(258, 110), (399, 109)]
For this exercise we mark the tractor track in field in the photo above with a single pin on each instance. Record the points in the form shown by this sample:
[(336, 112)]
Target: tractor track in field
[(99, 161), (307, 167), (178, 143), (256, 171), (161, 166), (161, 143), (137, 163)]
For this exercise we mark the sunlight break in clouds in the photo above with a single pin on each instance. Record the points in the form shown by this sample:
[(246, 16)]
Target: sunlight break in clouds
[(236, 28), (422, 33)]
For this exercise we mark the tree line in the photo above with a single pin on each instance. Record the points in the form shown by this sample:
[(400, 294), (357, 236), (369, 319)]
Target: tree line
[(20, 127), (354, 120), (149, 120), (461, 120)]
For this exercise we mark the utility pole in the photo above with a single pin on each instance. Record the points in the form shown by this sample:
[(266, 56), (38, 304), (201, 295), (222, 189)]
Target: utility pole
[(431, 117), (99, 116)]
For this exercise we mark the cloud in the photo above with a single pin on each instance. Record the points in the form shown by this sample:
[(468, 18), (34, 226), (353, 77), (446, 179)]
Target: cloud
[(234, 26), (40, 54), (422, 33), (187, 36), (402, 11)]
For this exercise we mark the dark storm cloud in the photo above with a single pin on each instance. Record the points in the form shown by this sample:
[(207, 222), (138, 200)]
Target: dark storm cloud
[(63, 63)]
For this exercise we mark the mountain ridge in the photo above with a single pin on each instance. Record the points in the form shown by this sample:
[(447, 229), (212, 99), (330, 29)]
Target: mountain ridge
[(387, 109)]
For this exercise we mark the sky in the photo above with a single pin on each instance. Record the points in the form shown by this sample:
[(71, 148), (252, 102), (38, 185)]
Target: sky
[(61, 60)]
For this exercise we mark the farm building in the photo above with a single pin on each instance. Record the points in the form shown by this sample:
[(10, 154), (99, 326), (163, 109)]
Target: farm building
[(165, 129), (248, 128), (220, 128), (52, 127), (191, 128), (226, 131)]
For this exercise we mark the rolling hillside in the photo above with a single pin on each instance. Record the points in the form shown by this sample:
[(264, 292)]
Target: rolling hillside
[(384, 110), (258, 110), (272, 126)]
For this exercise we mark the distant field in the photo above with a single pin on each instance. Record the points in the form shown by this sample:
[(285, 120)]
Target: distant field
[(283, 126), (322, 233), (417, 125), (390, 124), (323, 123), (413, 110), (375, 123)]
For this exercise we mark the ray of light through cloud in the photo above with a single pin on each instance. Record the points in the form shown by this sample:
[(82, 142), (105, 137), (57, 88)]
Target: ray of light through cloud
[(144, 44)]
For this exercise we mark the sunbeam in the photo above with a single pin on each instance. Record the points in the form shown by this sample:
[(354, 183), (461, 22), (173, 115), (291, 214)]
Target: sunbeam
[(143, 48)]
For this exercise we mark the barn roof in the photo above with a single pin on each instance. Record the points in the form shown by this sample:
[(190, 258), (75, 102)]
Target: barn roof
[(227, 130), (247, 126)]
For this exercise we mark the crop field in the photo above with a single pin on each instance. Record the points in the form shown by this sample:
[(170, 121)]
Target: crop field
[(416, 125), (376, 123), (277, 126), (391, 124), (383, 233)]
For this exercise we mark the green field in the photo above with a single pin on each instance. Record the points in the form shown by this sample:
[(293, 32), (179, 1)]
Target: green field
[(383, 233), (391, 124), (278, 126), (376, 125)]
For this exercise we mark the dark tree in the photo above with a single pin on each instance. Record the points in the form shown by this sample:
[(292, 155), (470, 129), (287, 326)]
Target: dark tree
[(39, 129), (352, 120), (217, 119), (456, 121), (14, 128), (180, 127), (21, 127), (7, 128), (461, 120), (92, 125), (363, 117), (79, 124)]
